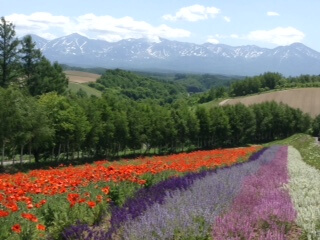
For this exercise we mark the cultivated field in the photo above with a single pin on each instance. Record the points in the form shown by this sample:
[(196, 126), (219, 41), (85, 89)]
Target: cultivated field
[(306, 99), (81, 77)]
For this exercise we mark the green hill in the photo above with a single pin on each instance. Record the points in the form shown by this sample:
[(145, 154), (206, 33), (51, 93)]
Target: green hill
[(75, 87)]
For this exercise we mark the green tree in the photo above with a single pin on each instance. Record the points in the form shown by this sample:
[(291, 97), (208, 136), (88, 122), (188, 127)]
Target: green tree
[(68, 120), (47, 78), (220, 126), (30, 56), (242, 124), (204, 127), (9, 65)]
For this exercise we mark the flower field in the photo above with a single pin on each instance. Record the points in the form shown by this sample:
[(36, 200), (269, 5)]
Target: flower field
[(267, 198), (42, 203), (271, 195)]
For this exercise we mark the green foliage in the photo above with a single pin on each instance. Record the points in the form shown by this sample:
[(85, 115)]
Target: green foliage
[(271, 81), (83, 89), (137, 87), (47, 78), (27, 67), (30, 56), (316, 126), (9, 66), (67, 127), (307, 145)]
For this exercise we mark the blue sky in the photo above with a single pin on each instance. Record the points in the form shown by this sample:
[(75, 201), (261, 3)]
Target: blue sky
[(266, 23)]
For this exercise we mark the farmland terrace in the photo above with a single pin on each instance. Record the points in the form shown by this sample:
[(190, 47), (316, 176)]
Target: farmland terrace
[(305, 99)]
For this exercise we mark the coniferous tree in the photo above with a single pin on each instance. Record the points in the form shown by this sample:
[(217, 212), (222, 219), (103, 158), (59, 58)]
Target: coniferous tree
[(9, 65), (30, 56), (47, 78)]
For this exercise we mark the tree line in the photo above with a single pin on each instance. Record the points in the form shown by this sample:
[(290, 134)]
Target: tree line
[(54, 126)]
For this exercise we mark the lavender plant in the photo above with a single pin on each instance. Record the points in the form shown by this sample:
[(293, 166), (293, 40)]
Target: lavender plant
[(263, 209)]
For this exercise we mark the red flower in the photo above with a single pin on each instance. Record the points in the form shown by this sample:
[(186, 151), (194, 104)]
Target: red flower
[(30, 206), (91, 204), (99, 198), (73, 198), (3, 213), (16, 228), (13, 207), (30, 217), (106, 190), (41, 227)]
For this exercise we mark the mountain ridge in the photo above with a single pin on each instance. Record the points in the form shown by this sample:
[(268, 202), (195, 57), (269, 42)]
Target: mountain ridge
[(140, 54)]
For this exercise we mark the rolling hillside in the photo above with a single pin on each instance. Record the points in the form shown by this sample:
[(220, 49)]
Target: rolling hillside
[(78, 80), (306, 99)]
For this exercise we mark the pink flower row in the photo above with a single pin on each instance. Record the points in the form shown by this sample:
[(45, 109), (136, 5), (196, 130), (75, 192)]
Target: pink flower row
[(263, 209)]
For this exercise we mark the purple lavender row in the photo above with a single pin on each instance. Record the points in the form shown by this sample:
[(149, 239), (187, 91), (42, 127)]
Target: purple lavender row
[(263, 209), (188, 214), (144, 199)]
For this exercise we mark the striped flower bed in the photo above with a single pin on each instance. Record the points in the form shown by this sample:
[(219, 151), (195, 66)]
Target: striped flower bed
[(263, 209), (304, 188), (274, 195)]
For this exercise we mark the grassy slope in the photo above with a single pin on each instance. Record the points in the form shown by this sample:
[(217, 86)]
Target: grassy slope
[(79, 80), (74, 87), (306, 145)]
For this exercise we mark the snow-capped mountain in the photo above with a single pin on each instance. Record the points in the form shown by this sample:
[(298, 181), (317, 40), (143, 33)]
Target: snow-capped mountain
[(142, 54)]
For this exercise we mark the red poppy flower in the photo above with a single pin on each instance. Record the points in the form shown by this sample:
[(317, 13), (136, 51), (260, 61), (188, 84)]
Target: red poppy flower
[(30, 217), (3, 213), (16, 228), (106, 190), (41, 227), (91, 204)]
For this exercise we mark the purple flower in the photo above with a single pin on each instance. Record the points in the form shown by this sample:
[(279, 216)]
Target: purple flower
[(263, 209)]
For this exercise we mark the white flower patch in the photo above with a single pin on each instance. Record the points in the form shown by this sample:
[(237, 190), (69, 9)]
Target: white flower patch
[(304, 188)]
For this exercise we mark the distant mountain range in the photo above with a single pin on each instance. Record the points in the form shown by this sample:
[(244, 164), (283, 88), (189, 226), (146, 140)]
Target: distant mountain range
[(166, 55)]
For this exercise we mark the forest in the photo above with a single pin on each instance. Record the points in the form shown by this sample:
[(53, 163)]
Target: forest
[(136, 114)]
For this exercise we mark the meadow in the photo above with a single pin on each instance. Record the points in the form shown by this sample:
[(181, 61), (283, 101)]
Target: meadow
[(79, 80)]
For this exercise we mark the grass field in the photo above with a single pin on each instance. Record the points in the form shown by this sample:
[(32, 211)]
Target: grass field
[(306, 99), (79, 80), (81, 77), (74, 87)]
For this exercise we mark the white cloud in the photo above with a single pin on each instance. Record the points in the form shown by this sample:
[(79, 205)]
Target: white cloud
[(212, 40), (227, 19), (273, 14), (278, 36), (193, 13), (38, 23), (102, 27), (235, 36), (114, 29)]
